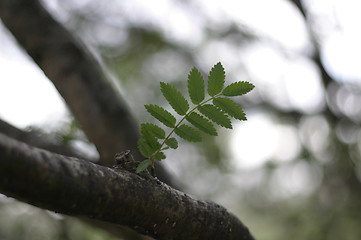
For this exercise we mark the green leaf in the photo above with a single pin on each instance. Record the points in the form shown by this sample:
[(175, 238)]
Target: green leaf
[(202, 123), (216, 79), (215, 115), (237, 89), (230, 107), (172, 142), (161, 114), (175, 98), (151, 129), (159, 156), (188, 133), (143, 165), (195, 86), (148, 146)]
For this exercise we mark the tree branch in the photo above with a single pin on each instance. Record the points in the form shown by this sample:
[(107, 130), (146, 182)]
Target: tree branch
[(80, 188), (75, 73), (39, 140), (49, 143), (78, 77)]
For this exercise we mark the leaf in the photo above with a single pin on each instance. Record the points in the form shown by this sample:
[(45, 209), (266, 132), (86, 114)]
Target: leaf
[(143, 165), (237, 89), (216, 79), (215, 115), (202, 123), (148, 146), (230, 107), (159, 156), (195, 86), (151, 129), (161, 114), (188, 133), (175, 98), (172, 142)]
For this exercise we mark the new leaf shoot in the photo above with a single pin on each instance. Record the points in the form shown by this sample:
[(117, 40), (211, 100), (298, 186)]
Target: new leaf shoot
[(205, 112)]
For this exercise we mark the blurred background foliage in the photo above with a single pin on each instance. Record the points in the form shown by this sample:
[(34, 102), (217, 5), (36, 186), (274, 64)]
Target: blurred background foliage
[(293, 169)]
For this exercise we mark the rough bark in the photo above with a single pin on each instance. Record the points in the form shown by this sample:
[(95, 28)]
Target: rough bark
[(80, 188), (75, 73), (49, 143), (79, 78)]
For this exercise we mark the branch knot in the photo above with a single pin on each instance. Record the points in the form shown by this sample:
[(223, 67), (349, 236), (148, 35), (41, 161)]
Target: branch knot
[(125, 160)]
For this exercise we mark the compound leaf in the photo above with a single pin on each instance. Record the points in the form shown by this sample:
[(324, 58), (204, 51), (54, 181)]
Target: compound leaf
[(143, 165), (161, 114), (237, 89), (175, 98), (195, 86), (216, 79), (219, 113), (172, 143), (202, 123), (151, 129), (215, 115), (188, 133), (230, 107)]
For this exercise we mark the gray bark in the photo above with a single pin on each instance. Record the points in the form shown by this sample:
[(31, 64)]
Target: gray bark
[(78, 77), (80, 188)]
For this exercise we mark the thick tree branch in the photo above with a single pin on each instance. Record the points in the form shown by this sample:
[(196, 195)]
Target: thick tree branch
[(49, 143), (75, 73), (80, 188), (78, 77)]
